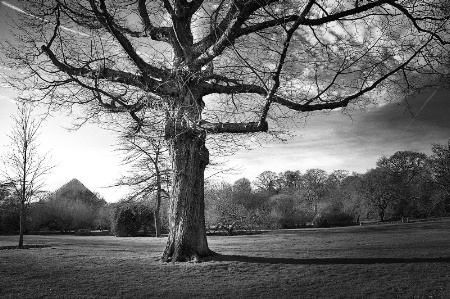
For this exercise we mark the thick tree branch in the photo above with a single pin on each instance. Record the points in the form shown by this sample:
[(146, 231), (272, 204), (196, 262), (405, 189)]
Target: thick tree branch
[(267, 24), (156, 33), (194, 5), (218, 30), (283, 55), (107, 20), (236, 88), (416, 25), (215, 44), (58, 24), (168, 7), (181, 12), (346, 13), (250, 127), (309, 22), (115, 76)]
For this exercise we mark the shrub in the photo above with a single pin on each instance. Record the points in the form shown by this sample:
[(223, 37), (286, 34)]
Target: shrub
[(62, 215), (333, 216), (299, 219), (9, 215), (130, 217), (83, 232), (287, 212), (103, 218), (9, 222)]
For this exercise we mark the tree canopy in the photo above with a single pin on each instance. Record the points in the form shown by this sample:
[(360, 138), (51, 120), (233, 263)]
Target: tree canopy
[(136, 56)]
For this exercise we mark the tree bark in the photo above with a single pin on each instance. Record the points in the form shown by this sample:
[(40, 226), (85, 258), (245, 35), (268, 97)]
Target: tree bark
[(187, 237), (21, 223)]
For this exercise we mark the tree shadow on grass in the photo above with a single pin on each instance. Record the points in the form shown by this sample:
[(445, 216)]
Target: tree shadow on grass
[(24, 247), (324, 261)]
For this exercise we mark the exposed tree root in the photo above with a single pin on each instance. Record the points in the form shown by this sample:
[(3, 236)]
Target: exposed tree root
[(192, 257)]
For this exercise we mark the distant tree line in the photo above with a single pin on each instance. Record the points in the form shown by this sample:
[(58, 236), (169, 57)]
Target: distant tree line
[(405, 185)]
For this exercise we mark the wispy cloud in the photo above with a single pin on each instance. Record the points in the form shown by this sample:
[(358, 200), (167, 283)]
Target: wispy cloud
[(5, 68), (6, 98), (354, 135), (15, 8), (424, 104), (34, 16)]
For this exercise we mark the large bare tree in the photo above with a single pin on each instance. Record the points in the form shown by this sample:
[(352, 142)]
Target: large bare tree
[(24, 168), (193, 69)]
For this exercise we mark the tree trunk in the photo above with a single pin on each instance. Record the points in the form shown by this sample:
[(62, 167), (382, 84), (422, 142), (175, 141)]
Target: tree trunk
[(381, 215), (187, 237), (157, 213), (21, 223), (157, 223)]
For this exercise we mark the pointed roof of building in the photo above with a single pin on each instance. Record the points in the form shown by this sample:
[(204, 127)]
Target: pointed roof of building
[(72, 190), (74, 185)]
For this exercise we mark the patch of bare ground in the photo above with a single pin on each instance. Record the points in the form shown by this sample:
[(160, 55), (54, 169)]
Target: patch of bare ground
[(410, 260)]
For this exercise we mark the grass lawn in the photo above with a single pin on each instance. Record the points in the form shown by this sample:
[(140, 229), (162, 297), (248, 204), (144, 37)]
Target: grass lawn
[(410, 260)]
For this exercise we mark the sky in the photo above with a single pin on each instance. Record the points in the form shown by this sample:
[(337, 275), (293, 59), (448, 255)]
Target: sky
[(335, 141), (330, 141)]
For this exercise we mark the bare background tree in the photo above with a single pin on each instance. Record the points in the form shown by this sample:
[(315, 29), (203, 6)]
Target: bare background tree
[(150, 172), (193, 69), (24, 168)]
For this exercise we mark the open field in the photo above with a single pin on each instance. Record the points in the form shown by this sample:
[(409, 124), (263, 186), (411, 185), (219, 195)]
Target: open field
[(410, 260)]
